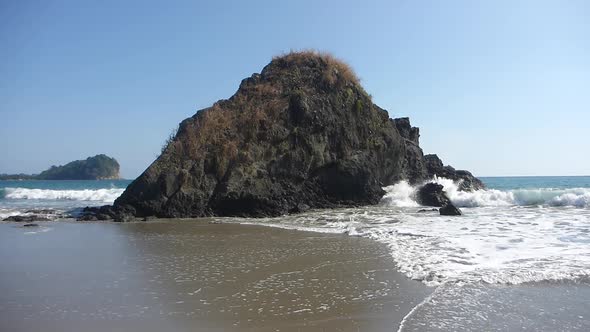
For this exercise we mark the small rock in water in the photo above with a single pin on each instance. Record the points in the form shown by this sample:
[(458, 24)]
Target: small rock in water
[(26, 218), (432, 194), (466, 180), (41, 211), (123, 217), (87, 217), (449, 210), (427, 210), (300, 208), (102, 216), (31, 225)]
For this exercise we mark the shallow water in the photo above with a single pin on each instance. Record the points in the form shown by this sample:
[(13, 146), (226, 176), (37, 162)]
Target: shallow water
[(181, 276), (508, 246), (540, 306), (518, 258)]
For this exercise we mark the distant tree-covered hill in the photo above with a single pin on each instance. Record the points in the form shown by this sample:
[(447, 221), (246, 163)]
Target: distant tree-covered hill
[(20, 176), (93, 168)]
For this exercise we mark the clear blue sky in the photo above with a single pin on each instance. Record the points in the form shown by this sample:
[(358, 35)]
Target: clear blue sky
[(497, 87)]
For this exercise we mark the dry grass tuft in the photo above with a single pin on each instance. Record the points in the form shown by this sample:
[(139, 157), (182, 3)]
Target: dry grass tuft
[(222, 133), (336, 70)]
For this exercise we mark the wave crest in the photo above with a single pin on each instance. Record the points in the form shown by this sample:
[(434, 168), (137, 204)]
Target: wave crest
[(101, 195), (403, 194)]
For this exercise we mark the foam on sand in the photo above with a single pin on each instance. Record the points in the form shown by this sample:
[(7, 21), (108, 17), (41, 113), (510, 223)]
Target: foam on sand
[(503, 237)]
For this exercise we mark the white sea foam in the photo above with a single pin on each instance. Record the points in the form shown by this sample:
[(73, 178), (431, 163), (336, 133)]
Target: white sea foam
[(5, 213), (400, 194), (491, 245), (100, 195), (506, 237), (403, 195)]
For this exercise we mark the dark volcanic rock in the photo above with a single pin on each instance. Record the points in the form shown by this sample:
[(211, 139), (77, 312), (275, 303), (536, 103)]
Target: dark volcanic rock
[(427, 210), (449, 210), (87, 217), (42, 211), (102, 216), (432, 194), (407, 131), (300, 135), (413, 166), (26, 218), (300, 208), (106, 212), (466, 180)]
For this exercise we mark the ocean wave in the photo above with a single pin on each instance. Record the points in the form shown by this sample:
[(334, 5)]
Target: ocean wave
[(508, 237), (449, 251), (403, 195), (100, 195), (503, 245)]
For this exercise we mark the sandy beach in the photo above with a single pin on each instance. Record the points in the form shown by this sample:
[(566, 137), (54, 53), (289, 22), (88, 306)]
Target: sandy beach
[(197, 276)]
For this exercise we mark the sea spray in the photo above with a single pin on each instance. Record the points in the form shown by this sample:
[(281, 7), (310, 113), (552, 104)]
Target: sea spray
[(403, 195), (504, 237)]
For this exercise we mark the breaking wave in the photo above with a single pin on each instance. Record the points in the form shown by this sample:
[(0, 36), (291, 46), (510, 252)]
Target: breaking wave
[(503, 237), (403, 195), (99, 195)]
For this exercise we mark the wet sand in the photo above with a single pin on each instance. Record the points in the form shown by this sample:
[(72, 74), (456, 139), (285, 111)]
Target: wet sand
[(196, 276)]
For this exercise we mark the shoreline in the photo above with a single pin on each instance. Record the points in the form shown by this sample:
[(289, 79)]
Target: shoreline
[(240, 277), (206, 275)]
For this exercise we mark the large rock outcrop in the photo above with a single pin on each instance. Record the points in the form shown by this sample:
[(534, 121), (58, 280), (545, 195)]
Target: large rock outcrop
[(413, 165), (301, 134)]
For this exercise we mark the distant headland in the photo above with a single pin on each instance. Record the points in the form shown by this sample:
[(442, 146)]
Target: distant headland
[(99, 167)]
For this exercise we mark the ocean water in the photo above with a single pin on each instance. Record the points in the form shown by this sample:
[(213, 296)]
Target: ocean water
[(518, 258), (61, 197), (519, 255), (519, 229)]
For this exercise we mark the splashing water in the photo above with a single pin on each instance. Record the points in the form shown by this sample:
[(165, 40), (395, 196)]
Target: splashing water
[(504, 236)]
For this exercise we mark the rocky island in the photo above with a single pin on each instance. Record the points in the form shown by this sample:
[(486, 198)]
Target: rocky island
[(301, 134), (99, 167)]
